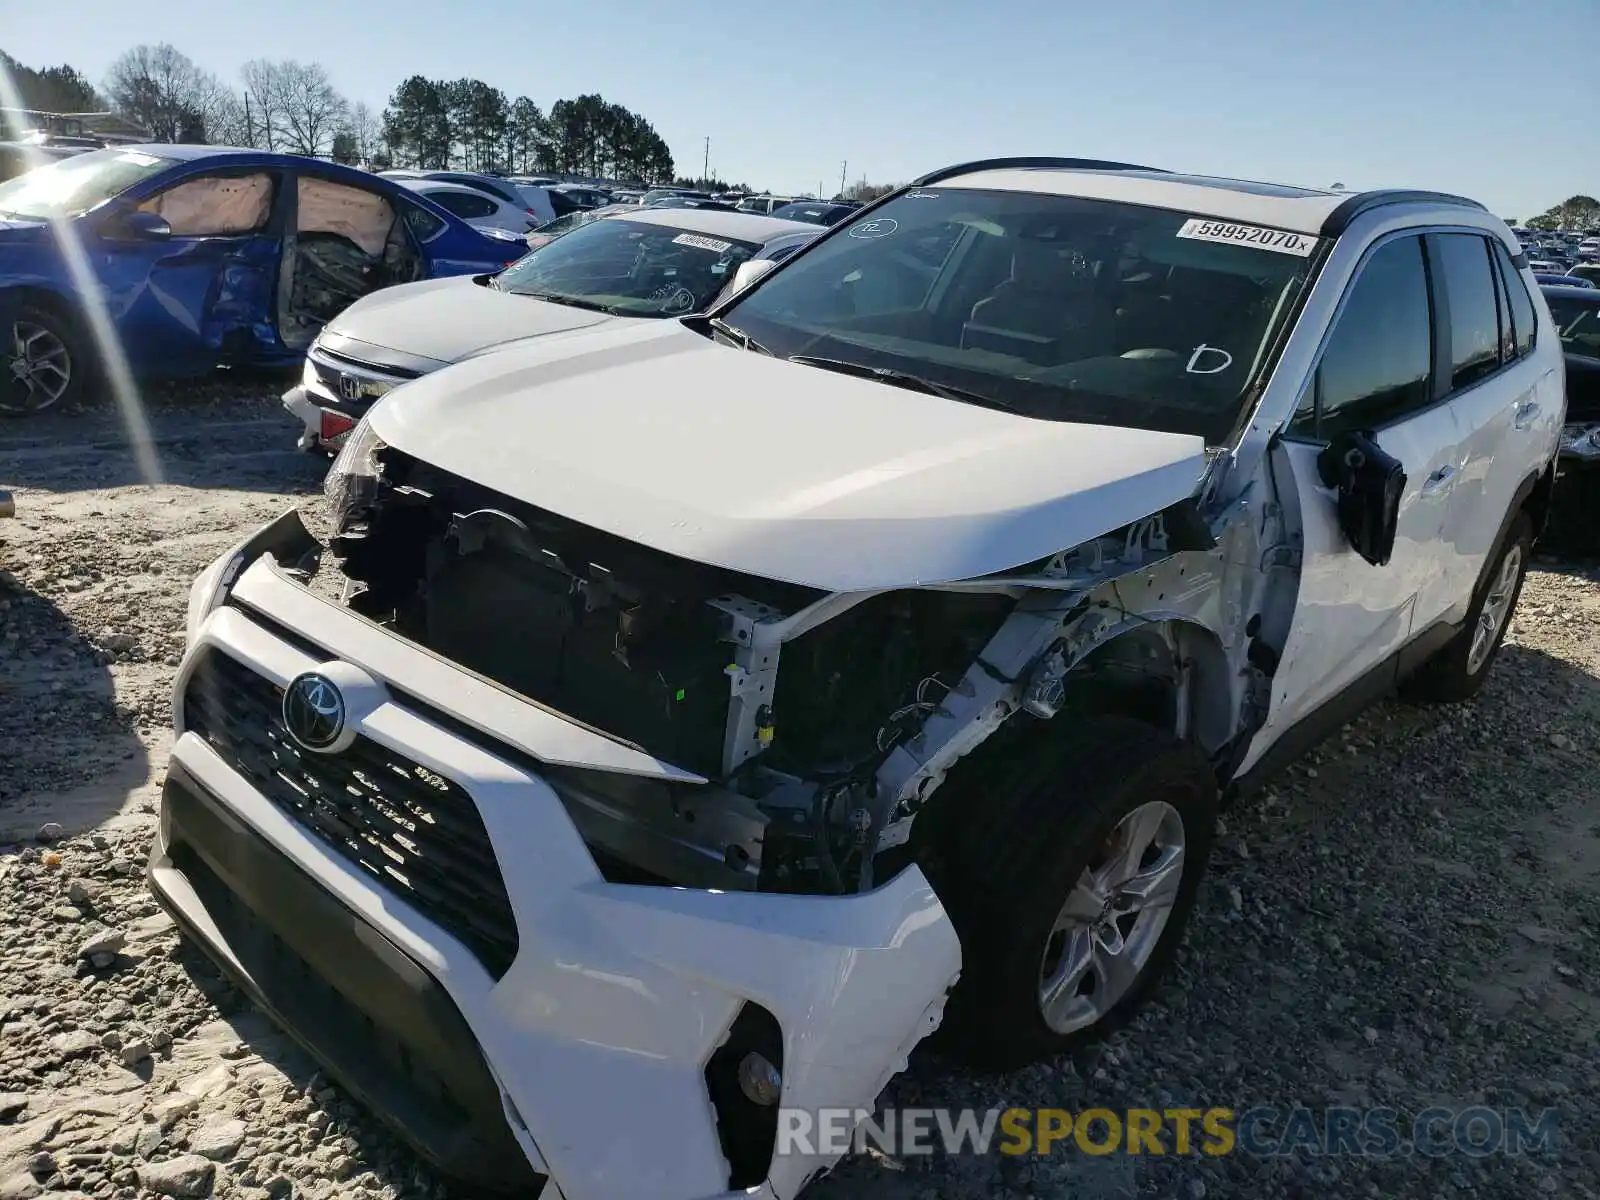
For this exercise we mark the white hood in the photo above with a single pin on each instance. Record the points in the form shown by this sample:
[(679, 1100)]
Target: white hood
[(449, 319), (735, 459)]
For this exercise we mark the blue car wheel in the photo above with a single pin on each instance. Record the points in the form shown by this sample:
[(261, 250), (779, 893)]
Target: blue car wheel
[(43, 362)]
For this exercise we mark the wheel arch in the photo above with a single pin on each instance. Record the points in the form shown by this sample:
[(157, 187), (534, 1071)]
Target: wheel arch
[(53, 301), (1172, 673), (1534, 497), (49, 299)]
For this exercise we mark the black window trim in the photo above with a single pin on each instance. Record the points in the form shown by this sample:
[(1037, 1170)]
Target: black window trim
[(1439, 310), (1505, 280), (1506, 319)]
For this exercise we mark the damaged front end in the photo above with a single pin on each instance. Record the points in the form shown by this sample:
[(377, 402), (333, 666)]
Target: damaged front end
[(809, 776)]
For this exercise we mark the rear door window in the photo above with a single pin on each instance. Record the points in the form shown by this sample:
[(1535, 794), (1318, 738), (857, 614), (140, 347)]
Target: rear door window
[(1462, 260)]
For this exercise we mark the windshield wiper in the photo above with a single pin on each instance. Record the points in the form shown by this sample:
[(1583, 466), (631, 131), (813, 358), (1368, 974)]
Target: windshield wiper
[(573, 302), (904, 379), (738, 336)]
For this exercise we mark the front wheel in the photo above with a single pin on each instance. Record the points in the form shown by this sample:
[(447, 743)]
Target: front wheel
[(43, 362), (1459, 669), (1069, 871)]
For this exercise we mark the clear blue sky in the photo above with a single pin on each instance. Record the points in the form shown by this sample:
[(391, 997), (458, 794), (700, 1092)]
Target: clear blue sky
[(1499, 101)]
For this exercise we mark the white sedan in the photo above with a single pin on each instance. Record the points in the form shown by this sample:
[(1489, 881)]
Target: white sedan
[(639, 266), (472, 206)]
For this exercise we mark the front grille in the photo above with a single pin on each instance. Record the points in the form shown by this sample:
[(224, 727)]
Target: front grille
[(416, 832), (329, 366)]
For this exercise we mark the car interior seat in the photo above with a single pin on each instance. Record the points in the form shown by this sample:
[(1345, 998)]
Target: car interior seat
[(1048, 311)]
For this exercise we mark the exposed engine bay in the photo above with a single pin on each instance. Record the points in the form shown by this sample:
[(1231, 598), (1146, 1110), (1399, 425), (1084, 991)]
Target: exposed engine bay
[(811, 772)]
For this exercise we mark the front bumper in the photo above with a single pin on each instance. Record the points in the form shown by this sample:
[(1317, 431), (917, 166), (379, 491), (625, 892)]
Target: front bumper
[(299, 402), (356, 1001), (598, 1033)]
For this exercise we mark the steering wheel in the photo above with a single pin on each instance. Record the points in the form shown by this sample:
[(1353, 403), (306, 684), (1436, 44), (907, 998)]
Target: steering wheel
[(674, 298)]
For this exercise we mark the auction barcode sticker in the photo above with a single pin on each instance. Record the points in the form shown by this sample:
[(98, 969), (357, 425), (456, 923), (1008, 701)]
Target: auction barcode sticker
[(1280, 240), (704, 243)]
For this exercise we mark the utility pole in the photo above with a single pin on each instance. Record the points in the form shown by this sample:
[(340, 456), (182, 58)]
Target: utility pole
[(705, 167), (843, 167)]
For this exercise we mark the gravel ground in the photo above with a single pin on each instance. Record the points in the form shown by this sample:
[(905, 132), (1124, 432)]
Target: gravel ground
[(1410, 918)]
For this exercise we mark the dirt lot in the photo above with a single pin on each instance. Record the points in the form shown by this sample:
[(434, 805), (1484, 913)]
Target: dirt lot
[(1411, 918)]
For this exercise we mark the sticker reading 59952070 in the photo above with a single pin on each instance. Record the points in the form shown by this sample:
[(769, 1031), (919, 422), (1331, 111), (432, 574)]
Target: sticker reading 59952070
[(1280, 240)]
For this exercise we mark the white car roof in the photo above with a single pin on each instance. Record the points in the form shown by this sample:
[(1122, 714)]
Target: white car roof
[(443, 185), (1302, 210), (746, 227)]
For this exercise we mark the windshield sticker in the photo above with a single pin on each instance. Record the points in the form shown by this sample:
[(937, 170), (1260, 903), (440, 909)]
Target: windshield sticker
[(1248, 235), (703, 243), (880, 227), (137, 159), (1204, 361), (922, 195)]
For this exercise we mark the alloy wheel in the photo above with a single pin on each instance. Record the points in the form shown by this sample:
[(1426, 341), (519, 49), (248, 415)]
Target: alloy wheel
[(38, 369), (1496, 610), (1113, 919)]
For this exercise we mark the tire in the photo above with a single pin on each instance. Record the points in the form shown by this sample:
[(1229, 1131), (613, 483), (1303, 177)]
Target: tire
[(1457, 672), (1015, 831), (41, 337)]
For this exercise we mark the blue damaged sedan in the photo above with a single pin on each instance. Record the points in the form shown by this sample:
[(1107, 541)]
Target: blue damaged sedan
[(205, 256)]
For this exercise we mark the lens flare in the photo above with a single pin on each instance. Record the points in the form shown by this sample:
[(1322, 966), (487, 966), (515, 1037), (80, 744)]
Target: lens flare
[(92, 304)]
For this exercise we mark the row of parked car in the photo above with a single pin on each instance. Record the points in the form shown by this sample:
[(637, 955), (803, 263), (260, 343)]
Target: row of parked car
[(545, 206)]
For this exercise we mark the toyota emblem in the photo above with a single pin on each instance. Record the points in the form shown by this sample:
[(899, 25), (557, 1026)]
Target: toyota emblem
[(313, 711)]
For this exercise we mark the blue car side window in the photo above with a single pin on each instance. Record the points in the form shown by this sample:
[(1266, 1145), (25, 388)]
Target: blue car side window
[(423, 224), (215, 205)]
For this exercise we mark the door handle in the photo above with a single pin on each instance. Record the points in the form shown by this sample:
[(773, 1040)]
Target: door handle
[(1527, 413), (1439, 480)]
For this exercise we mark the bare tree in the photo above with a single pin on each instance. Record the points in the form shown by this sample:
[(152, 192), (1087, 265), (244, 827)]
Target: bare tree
[(263, 102), (366, 131), (160, 89), (228, 124), (312, 110)]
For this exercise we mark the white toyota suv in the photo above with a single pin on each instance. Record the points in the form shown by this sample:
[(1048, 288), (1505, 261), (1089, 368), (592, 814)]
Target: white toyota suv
[(684, 720)]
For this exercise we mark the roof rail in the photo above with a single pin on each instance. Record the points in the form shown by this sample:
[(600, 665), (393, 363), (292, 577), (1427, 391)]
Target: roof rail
[(1340, 218), (1029, 164)]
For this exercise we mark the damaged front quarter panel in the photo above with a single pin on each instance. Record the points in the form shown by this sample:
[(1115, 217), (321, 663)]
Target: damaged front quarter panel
[(821, 722)]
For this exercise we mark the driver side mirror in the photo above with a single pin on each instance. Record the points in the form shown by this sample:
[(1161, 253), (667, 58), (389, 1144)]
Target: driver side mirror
[(749, 272), (137, 225), (1368, 484)]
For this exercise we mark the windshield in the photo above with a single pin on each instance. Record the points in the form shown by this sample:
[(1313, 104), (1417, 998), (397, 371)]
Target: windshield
[(1058, 307), (634, 268), (1578, 323), (563, 224), (816, 214), (72, 186)]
